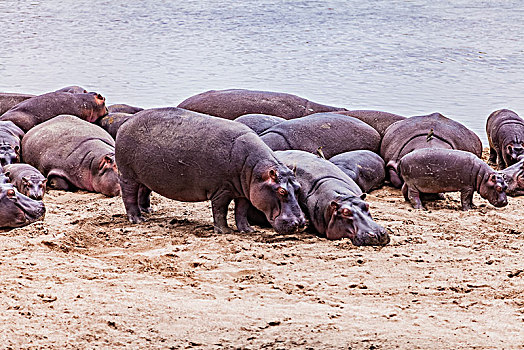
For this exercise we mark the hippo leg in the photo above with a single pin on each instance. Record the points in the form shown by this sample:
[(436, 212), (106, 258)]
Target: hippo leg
[(219, 206), (466, 198), (492, 156), (412, 195), (144, 203), (241, 207), (500, 160), (130, 190), (59, 183)]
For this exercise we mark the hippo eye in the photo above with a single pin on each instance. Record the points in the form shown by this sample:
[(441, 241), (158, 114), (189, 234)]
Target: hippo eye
[(281, 191), (346, 212), (11, 193)]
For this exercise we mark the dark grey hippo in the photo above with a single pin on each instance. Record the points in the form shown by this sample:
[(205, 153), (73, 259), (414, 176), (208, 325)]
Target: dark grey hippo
[(259, 122), (10, 136), (505, 131), (113, 121), (330, 132), (123, 108), (193, 157), (427, 131), (17, 210), (27, 179), (332, 201), (514, 177), (73, 153), (364, 167), (231, 104), (378, 120), (9, 100), (73, 89), (38, 109), (443, 170)]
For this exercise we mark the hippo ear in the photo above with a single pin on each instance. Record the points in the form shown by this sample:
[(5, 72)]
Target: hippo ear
[(363, 196), (100, 97), (273, 175), (334, 205), (25, 180), (17, 149), (7, 173), (105, 162), (493, 178)]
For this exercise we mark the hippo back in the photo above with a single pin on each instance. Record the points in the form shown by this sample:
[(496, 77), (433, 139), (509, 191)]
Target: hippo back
[(378, 120), (9, 100), (366, 168), (259, 122)]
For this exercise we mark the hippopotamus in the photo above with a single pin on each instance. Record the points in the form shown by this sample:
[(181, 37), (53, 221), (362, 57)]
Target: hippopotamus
[(231, 104), (378, 120), (27, 179), (514, 177), (113, 121), (38, 109), (259, 122), (10, 136), (430, 170), (330, 132), (73, 153), (17, 210), (364, 167), (162, 150), (332, 201), (426, 131), (9, 100), (123, 108), (505, 131), (73, 89)]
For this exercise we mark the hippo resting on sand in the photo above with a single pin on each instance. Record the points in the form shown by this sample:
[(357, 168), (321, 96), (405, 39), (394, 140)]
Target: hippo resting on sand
[(73, 89), (332, 133), (505, 131), (230, 104), (427, 131), (364, 167), (378, 120), (193, 157), (73, 153), (259, 122), (9, 100), (123, 108), (10, 136), (27, 179), (442, 170), (38, 109), (514, 177), (17, 210), (113, 121)]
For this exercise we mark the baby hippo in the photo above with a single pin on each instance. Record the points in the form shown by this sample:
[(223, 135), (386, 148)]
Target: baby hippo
[(514, 177), (432, 170), (17, 210), (366, 168), (10, 136), (27, 179), (505, 130)]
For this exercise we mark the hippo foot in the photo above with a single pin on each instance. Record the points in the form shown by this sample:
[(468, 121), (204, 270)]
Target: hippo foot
[(223, 230), (247, 229), (136, 219), (147, 210)]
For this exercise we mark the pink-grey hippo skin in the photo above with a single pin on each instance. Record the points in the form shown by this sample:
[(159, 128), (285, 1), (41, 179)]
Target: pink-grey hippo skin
[(259, 122), (9, 100), (17, 210), (231, 104), (378, 120), (27, 179), (73, 154), (330, 132), (364, 167), (10, 136), (162, 150), (427, 131), (430, 170), (113, 121), (123, 108), (514, 177), (36, 110), (73, 89), (332, 201), (505, 131)]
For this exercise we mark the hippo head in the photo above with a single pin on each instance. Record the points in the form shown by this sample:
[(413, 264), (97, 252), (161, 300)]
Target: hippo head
[(493, 188), (17, 210), (514, 177), (9, 154), (514, 151), (33, 187), (350, 218), (273, 191), (105, 180), (96, 109)]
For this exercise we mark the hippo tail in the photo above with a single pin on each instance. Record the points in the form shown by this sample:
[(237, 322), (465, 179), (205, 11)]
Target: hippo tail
[(393, 172)]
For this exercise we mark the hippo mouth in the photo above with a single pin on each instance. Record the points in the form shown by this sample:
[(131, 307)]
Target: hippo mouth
[(370, 238), (28, 217)]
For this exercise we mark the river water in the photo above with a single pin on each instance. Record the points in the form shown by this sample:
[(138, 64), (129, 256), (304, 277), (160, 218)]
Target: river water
[(463, 58)]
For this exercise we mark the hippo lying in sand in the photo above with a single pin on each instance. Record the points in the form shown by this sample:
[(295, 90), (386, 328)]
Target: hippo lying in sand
[(17, 210), (259, 122), (193, 157), (364, 167), (73, 89), (113, 121), (378, 120), (505, 131), (27, 179), (10, 136), (514, 177), (123, 108), (9, 100)]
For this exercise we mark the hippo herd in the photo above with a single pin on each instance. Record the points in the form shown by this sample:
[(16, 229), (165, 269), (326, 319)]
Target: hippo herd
[(283, 160)]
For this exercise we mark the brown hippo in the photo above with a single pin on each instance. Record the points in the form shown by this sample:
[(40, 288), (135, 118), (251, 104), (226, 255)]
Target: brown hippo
[(514, 177), (427, 131), (378, 120), (430, 170), (10, 136), (364, 167), (123, 108), (259, 122), (27, 179), (73, 89), (9, 100), (332, 133), (505, 131), (73, 153), (113, 121), (17, 210), (332, 201), (231, 104), (38, 109), (193, 157)]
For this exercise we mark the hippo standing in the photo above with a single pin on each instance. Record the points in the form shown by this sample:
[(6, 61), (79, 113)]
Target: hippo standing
[(73, 153), (27, 179), (38, 109), (514, 177), (10, 136), (364, 167), (378, 120), (505, 131), (113, 121), (193, 157), (427, 131), (9, 100), (123, 108), (332, 133), (17, 210), (259, 122), (443, 170), (231, 104)]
